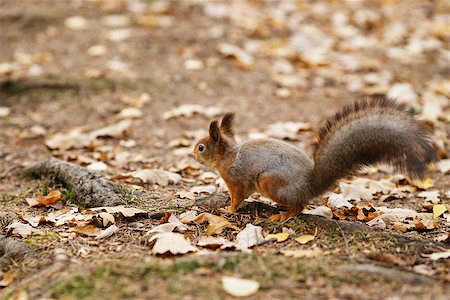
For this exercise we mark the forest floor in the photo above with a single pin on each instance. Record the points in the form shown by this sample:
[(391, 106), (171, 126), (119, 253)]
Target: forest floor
[(136, 63)]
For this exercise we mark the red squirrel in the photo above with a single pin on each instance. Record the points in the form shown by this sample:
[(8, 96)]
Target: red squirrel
[(367, 132)]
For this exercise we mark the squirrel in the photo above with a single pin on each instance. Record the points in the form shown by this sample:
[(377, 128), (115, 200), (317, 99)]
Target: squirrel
[(368, 132)]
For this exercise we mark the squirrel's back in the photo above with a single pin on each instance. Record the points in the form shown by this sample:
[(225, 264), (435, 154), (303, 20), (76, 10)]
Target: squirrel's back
[(368, 132)]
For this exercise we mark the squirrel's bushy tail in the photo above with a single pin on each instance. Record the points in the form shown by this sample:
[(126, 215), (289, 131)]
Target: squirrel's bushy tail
[(368, 132)]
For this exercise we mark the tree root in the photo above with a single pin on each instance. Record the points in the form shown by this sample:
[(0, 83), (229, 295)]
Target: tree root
[(257, 208), (12, 249), (91, 188)]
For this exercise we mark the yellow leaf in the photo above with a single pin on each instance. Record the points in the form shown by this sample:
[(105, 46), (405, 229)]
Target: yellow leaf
[(280, 237), (424, 184), (305, 238), (216, 224), (438, 210)]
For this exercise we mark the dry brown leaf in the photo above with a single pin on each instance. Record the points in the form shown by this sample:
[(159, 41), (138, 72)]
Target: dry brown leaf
[(189, 110), (33, 220), (125, 211), (424, 222), (355, 192), (287, 130), (214, 242), (7, 279), (188, 217), (87, 230), (204, 189), (50, 199), (216, 224), (423, 184), (323, 211), (367, 212), (250, 236), (22, 229), (238, 287), (169, 242), (186, 195), (242, 58)]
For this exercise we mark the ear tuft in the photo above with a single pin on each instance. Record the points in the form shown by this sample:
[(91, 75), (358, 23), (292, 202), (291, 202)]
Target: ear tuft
[(214, 131), (227, 125)]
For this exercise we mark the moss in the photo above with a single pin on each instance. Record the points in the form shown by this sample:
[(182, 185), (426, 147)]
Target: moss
[(68, 195), (129, 197)]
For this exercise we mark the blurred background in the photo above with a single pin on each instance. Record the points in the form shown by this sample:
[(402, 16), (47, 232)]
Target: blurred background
[(83, 65)]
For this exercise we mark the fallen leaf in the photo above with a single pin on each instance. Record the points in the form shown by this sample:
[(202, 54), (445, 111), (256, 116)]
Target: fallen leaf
[(424, 222), (207, 189), (106, 218), (156, 176), (87, 230), (423, 184), (355, 192), (174, 243), (432, 196), (216, 224), (214, 242), (242, 58), (114, 130), (250, 236), (444, 165), (77, 23), (188, 217), (403, 92), (304, 239), (47, 200), (322, 210), (439, 210), (279, 237), (300, 253), (193, 64), (4, 111), (106, 233), (287, 130), (238, 287), (125, 211), (186, 195), (7, 279), (438, 255), (130, 113), (32, 220), (337, 201), (97, 166), (22, 229), (189, 110), (424, 270)]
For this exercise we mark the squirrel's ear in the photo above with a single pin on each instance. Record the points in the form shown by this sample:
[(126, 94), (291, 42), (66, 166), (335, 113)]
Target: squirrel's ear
[(227, 125), (214, 131)]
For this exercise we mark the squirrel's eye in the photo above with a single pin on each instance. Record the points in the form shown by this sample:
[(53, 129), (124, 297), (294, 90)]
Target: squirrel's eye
[(201, 147)]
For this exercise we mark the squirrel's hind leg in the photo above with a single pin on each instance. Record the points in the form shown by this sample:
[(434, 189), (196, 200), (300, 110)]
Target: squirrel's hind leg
[(283, 216), (271, 185)]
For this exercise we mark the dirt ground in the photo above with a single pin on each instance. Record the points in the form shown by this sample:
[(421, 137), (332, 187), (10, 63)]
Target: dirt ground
[(57, 84)]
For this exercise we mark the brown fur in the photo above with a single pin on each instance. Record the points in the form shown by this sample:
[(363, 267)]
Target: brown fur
[(368, 132)]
